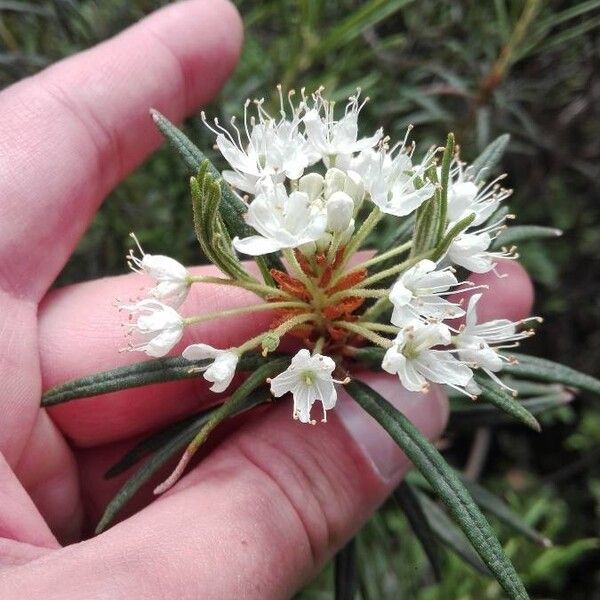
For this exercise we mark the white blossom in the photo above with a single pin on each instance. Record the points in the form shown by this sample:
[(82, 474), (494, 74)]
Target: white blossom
[(391, 180), (331, 138), (158, 327), (172, 278), (281, 221), (418, 293), (308, 378), (340, 208), (479, 344), (412, 358), (274, 149), (221, 371)]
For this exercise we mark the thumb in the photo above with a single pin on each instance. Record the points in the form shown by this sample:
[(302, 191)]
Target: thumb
[(257, 518)]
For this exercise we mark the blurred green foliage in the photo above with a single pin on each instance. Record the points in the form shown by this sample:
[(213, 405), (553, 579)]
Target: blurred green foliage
[(530, 68)]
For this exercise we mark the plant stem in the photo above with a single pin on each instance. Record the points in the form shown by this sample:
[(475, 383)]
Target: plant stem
[(242, 311), (360, 292), (258, 288), (396, 268), (360, 236), (380, 327), (364, 332)]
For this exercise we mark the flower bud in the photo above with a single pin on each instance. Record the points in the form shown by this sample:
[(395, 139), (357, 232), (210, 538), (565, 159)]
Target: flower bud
[(340, 208), (270, 342), (312, 185), (308, 249), (335, 180), (355, 188)]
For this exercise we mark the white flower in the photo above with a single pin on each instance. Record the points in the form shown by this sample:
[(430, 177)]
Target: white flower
[(221, 371), (479, 343), (308, 378), (418, 293), (466, 197), (470, 250), (172, 278), (331, 138), (275, 148), (282, 221), (411, 358), (340, 208), (392, 181), (158, 326)]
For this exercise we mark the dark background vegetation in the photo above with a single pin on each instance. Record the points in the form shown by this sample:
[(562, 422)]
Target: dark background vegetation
[(478, 68)]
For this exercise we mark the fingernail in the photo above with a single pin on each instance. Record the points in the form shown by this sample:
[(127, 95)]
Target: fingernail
[(428, 412)]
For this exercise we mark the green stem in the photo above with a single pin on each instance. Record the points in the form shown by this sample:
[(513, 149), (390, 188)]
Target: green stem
[(383, 256), (380, 327), (243, 311), (361, 292), (291, 259), (293, 322), (257, 288), (364, 332), (403, 266), (360, 236), (376, 309)]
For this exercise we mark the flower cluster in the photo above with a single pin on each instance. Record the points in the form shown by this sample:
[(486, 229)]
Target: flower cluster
[(315, 191)]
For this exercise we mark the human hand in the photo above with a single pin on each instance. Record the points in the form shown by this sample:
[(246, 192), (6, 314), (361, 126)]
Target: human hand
[(275, 499)]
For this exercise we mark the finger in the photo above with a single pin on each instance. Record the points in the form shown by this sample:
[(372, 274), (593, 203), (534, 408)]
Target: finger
[(80, 332), (20, 520), (77, 128), (262, 513)]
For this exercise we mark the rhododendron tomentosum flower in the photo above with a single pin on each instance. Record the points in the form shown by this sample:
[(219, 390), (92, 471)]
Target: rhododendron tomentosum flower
[(158, 327), (392, 181), (172, 278), (466, 197), (275, 149), (479, 343), (331, 138), (412, 358), (221, 371), (282, 221), (308, 378), (418, 293)]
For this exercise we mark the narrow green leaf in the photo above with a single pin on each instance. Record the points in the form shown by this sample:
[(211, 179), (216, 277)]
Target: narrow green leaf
[(345, 572), (148, 372), (175, 444), (443, 480), (520, 233), (502, 400), (149, 444), (449, 534), (406, 498), (467, 416), (497, 507), (545, 370), (445, 178), (485, 163)]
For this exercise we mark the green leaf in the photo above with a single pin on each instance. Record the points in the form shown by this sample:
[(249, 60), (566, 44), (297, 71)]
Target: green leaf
[(345, 572), (160, 370), (447, 486), (519, 233), (210, 230), (149, 444), (502, 400), (467, 416), (406, 498), (497, 507), (485, 163), (445, 178), (545, 370), (176, 443), (454, 231), (449, 534)]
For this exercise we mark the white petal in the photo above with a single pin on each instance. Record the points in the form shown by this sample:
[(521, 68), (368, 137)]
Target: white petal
[(201, 352), (256, 245)]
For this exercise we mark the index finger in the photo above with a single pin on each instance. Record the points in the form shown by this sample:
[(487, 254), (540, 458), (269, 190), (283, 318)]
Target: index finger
[(70, 133)]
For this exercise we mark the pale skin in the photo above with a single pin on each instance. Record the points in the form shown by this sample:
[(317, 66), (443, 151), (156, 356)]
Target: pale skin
[(263, 512)]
